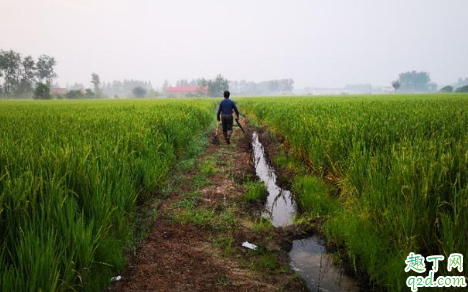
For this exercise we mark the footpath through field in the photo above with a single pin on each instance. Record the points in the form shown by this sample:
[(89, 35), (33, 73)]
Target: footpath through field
[(201, 222)]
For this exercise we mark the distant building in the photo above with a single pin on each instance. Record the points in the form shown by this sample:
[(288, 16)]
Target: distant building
[(187, 91), (58, 91)]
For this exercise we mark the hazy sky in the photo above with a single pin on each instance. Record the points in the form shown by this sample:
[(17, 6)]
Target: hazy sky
[(317, 43)]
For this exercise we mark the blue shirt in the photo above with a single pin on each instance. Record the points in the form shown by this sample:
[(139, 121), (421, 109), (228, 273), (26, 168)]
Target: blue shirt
[(226, 107)]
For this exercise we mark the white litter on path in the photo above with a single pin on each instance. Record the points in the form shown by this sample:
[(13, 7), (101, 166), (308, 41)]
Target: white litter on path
[(249, 245), (115, 279)]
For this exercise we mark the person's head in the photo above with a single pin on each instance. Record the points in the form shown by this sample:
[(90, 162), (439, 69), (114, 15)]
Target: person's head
[(227, 94)]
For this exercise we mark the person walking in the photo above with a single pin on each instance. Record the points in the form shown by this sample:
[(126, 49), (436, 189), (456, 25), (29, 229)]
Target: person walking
[(226, 107)]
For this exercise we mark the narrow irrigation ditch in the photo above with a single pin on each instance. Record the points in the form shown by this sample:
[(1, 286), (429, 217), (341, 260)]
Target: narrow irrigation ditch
[(308, 257)]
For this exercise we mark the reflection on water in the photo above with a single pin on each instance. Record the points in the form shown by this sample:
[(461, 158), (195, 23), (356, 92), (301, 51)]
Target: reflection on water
[(280, 206), (309, 258)]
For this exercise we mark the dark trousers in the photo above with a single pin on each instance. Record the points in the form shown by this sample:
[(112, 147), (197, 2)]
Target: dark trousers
[(227, 121)]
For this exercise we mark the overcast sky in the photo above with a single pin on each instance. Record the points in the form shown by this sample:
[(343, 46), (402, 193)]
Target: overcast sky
[(317, 43)]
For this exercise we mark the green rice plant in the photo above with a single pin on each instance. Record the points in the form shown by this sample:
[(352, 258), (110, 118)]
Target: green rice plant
[(313, 196), (400, 163), (71, 174)]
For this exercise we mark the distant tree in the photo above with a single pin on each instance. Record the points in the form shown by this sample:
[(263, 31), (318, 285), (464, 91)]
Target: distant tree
[(447, 89), (415, 81), (396, 85), (432, 87), (20, 75), (77, 86), (27, 76), (201, 83), (125, 87), (217, 86), (139, 91), (286, 85), (45, 69), (153, 93), (185, 82), (90, 94), (165, 86), (251, 87), (273, 86), (75, 94), (42, 91), (96, 81), (461, 82), (10, 68), (463, 89), (182, 82), (276, 86)]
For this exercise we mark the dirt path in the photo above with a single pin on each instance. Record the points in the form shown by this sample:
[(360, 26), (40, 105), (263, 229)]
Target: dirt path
[(195, 242)]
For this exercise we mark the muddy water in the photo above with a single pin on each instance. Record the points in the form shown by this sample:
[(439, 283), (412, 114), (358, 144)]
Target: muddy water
[(309, 257)]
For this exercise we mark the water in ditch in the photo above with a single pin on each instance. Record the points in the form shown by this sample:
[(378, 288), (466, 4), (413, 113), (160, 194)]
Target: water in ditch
[(280, 207), (308, 257)]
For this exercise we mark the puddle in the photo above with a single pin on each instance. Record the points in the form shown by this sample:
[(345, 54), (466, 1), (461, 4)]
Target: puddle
[(280, 207), (309, 257)]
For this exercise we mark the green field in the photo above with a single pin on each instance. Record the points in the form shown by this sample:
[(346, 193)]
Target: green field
[(397, 167), (388, 175), (70, 176)]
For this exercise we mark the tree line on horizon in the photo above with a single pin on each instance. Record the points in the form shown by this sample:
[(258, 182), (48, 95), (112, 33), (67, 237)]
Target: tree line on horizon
[(420, 82), (217, 85), (117, 88), (24, 76), (461, 86)]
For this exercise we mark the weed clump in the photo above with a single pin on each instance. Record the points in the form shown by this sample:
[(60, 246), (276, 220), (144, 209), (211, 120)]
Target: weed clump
[(255, 191)]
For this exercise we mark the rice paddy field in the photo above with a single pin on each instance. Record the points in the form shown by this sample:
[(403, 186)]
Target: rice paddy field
[(70, 177), (387, 175), (396, 169)]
